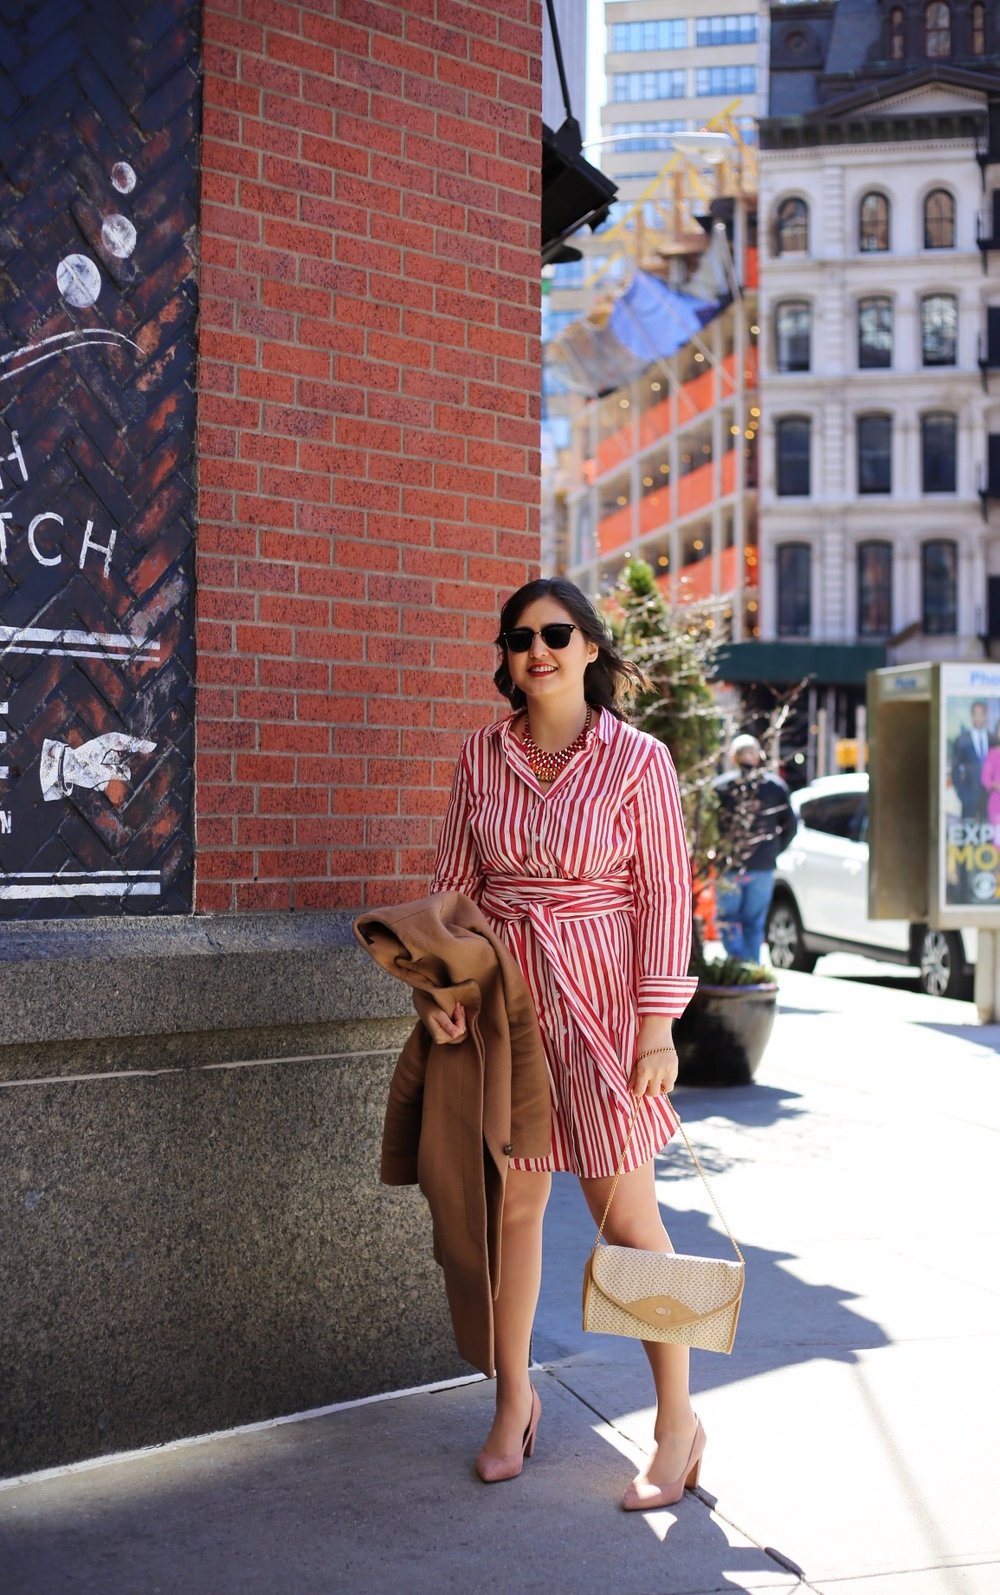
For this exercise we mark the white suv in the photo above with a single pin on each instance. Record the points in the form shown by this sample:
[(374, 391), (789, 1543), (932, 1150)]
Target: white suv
[(820, 902)]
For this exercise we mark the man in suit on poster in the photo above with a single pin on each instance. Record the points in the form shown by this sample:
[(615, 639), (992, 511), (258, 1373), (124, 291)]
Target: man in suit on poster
[(972, 745)]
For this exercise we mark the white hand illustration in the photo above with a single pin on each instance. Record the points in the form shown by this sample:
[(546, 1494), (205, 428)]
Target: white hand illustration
[(93, 765)]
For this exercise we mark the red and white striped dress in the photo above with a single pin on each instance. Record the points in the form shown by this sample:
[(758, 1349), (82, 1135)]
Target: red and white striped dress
[(588, 883)]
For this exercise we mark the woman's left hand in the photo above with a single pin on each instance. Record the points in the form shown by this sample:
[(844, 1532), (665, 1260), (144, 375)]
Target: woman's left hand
[(656, 1073)]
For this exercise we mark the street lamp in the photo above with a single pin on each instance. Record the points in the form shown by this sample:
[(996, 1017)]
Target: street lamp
[(713, 146)]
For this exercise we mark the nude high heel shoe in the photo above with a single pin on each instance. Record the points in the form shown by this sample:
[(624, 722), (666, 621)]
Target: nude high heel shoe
[(641, 1496), (493, 1470)]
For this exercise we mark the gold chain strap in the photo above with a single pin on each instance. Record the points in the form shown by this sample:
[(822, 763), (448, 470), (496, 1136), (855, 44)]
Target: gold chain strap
[(697, 1164)]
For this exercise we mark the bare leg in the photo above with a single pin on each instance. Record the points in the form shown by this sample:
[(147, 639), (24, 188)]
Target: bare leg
[(634, 1220), (514, 1308)]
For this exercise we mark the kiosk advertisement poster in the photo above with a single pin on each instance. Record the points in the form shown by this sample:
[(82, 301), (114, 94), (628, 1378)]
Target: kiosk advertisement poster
[(969, 799)]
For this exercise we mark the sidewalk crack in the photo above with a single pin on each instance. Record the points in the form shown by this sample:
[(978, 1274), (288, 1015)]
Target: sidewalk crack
[(786, 1563)]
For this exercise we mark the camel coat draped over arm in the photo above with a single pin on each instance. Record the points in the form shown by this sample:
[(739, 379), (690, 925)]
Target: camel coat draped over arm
[(456, 1113)]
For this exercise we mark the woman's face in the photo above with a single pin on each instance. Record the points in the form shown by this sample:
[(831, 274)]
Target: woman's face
[(550, 674)]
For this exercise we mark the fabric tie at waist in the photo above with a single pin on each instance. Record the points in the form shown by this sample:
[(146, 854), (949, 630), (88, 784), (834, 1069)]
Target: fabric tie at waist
[(543, 903)]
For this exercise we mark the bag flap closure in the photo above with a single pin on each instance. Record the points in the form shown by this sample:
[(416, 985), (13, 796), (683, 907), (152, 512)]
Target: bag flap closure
[(663, 1311)]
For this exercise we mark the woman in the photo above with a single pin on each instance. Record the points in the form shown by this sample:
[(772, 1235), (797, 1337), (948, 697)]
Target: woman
[(990, 777), (565, 827)]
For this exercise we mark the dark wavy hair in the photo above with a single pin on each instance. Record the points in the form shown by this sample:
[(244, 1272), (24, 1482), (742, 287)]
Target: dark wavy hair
[(609, 681)]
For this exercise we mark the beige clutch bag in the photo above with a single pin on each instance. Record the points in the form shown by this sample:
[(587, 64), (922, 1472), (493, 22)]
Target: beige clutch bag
[(663, 1295)]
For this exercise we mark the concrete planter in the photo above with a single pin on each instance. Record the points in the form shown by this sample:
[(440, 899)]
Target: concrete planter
[(722, 1034)]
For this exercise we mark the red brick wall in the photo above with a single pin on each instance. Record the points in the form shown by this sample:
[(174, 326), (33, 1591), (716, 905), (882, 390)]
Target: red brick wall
[(368, 427)]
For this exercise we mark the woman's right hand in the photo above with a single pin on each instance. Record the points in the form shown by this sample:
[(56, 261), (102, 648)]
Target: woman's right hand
[(444, 1030)]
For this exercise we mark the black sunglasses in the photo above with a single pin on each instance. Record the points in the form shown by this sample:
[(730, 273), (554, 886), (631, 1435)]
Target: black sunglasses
[(555, 635)]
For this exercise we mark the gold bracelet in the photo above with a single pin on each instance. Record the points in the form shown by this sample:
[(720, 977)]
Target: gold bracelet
[(651, 1050)]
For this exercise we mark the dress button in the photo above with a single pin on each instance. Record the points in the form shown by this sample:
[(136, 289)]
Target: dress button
[(508, 1150)]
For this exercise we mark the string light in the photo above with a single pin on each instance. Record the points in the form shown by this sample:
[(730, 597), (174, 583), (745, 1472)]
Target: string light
[(654, 387), (699, 357), (698, 544), (663, 560), (623, 404), (647, 481), (734, 431), (754, 412)]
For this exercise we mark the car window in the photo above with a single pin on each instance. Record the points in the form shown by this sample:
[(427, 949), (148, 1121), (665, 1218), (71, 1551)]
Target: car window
[(840, 814)]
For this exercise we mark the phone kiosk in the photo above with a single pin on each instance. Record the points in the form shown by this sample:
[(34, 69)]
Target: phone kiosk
[(934, 808)]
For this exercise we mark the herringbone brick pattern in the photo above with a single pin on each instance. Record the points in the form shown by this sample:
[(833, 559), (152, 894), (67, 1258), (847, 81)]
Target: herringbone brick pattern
[(104, 420)]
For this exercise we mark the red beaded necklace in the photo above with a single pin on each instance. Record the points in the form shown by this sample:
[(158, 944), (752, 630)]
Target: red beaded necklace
[(547, 765)]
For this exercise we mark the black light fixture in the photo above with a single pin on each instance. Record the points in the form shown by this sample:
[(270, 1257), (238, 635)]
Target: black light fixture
[(574, 193)]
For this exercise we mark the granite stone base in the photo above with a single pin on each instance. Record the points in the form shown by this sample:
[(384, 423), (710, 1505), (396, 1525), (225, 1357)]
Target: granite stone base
[(192, 1231)]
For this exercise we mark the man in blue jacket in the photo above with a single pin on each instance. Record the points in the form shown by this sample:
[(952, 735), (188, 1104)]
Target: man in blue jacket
[(756, 822)]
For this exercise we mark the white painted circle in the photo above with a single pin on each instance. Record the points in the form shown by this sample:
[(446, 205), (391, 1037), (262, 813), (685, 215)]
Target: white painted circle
[(118, 236), (123, 177), (78, 280)]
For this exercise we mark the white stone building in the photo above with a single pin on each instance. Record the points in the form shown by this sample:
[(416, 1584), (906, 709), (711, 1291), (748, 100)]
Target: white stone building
[(876, 521)]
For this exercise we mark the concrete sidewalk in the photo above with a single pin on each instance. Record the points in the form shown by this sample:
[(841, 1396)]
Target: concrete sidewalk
[(853, 1431)]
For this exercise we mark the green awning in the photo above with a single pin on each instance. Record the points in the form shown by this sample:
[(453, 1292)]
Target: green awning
[(827, 664)]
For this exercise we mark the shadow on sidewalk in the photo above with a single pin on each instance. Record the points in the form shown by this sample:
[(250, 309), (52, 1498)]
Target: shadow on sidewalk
[(375, 1500)]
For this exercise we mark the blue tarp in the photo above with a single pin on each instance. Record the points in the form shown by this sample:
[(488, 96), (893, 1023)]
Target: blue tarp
[(649, 321), (654, 321)]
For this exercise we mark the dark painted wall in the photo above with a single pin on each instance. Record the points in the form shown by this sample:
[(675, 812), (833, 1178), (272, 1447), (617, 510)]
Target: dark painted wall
[(98, 195)]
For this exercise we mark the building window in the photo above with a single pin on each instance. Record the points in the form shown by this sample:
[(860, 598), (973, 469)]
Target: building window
[(978, 18), (938, 452), (939, 329), (725, 80), (874, 333), (874, 454), (669, 35), (939, 220), (792, 231), (794, 589), (939, 572), (897, 37), (873, 224), (726, 30), (874, 589), (648, 85), (937, 30), (792, 444), (792, 325)]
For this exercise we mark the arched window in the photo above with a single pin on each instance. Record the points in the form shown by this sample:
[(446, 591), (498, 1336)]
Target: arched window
[(873, 223), (939, 220), (939, 581), (874, 589), (897, 36), (874, 436), (792, 230), (874, 333), (977, 19), (792, 447), (938, 452), (791, 335), (937, 30), (794, 572), (939, 330)]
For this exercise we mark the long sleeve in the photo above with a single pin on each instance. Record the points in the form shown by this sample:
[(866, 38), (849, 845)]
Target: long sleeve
[(661, 884), (457, 866)]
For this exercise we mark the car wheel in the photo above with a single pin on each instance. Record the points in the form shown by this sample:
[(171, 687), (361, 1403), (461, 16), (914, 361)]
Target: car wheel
[(784, 937), (942, 967)]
